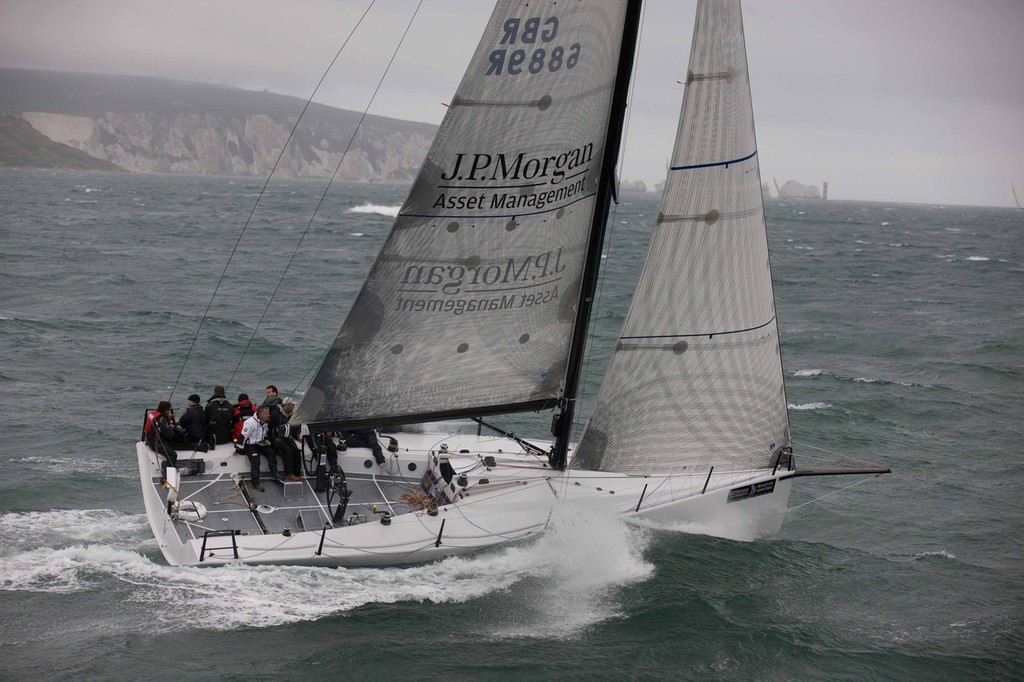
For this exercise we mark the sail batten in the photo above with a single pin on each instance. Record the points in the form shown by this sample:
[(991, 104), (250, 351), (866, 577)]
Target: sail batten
[(711, 164)]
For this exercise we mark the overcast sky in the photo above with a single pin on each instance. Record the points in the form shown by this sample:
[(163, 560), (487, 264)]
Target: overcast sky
[(890, 100)]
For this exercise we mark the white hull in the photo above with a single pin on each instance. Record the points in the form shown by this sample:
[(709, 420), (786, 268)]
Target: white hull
[(505, 499)]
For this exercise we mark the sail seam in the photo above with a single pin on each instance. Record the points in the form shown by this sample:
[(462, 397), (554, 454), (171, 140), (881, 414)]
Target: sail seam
[(715, 163), (702, 334)]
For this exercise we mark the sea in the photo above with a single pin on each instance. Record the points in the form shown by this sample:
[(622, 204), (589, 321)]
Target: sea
[(902, 330)]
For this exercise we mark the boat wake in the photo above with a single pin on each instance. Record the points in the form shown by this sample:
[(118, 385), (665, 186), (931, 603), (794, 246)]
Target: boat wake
[(555, 586), (78, 465)]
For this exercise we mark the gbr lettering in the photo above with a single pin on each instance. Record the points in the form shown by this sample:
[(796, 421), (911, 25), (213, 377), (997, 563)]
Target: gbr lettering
[(530, 48)]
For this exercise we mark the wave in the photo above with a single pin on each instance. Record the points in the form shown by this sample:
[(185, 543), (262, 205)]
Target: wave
[(805, 373), (938, 553), (391, 211)]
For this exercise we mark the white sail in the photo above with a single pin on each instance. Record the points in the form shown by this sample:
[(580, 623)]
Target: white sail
[(695, 380), (469, 307)]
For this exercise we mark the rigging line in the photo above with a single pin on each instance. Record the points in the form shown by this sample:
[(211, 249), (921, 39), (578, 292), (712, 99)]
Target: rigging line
[(315, 364), (323, 196), (817, 499), (611, 234), (252, 212), (837, 454)]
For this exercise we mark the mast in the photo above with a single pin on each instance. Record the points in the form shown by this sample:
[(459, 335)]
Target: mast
[(561, 426)]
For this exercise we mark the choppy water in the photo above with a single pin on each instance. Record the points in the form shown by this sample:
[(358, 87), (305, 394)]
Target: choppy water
[(903, 333)]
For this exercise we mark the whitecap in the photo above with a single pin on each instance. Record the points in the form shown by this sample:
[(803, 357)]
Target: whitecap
[(809, 372), (810, 406), (939, 553), (978, 258), (391, 211)]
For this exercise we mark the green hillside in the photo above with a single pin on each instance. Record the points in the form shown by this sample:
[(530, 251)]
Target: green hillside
[(23, 146)]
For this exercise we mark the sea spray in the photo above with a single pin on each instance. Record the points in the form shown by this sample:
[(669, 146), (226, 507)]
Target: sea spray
[(572, 574)]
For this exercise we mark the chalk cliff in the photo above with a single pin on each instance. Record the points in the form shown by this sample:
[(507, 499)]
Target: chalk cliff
[(156, 125), (794, 189)]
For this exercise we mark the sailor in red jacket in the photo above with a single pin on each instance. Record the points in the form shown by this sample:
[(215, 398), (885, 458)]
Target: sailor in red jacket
[(160, 430), (243, 410)]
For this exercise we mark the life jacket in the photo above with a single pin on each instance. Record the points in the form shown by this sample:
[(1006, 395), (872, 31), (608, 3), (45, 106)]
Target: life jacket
[(151, 418), (243, 411)]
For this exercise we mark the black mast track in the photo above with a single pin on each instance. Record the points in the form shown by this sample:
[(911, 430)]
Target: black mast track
[(562, 428)]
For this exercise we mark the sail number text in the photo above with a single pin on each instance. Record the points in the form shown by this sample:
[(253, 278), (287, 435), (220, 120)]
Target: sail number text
[(529, 32)]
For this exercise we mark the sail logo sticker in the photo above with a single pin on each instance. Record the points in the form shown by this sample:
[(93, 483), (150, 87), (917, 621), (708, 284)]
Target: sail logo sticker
[(501, 284), (753, 490), (514, 60), (565, 174), (501, 166)]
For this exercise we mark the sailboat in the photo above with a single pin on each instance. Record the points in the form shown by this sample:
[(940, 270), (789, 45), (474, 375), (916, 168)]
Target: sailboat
[(1015, 199), (478, 305)]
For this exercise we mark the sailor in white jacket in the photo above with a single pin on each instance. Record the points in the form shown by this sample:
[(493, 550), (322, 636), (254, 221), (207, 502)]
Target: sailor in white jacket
[(255, 443)]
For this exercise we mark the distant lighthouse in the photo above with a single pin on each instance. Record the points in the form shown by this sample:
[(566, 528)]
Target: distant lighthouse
[(824, 190)]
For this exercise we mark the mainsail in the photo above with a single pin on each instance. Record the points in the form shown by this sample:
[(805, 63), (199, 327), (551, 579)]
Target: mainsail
[(696, 380), (469, 309)]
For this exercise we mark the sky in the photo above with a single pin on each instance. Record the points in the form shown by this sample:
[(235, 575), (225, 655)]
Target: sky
[(887, 100)]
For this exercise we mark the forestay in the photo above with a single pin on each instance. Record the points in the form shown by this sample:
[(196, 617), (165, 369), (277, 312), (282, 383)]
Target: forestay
[(468, 309), (696, 378)]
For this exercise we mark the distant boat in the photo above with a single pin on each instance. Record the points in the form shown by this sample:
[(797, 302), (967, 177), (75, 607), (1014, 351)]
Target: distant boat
[(478, 305), (1015, 199)]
